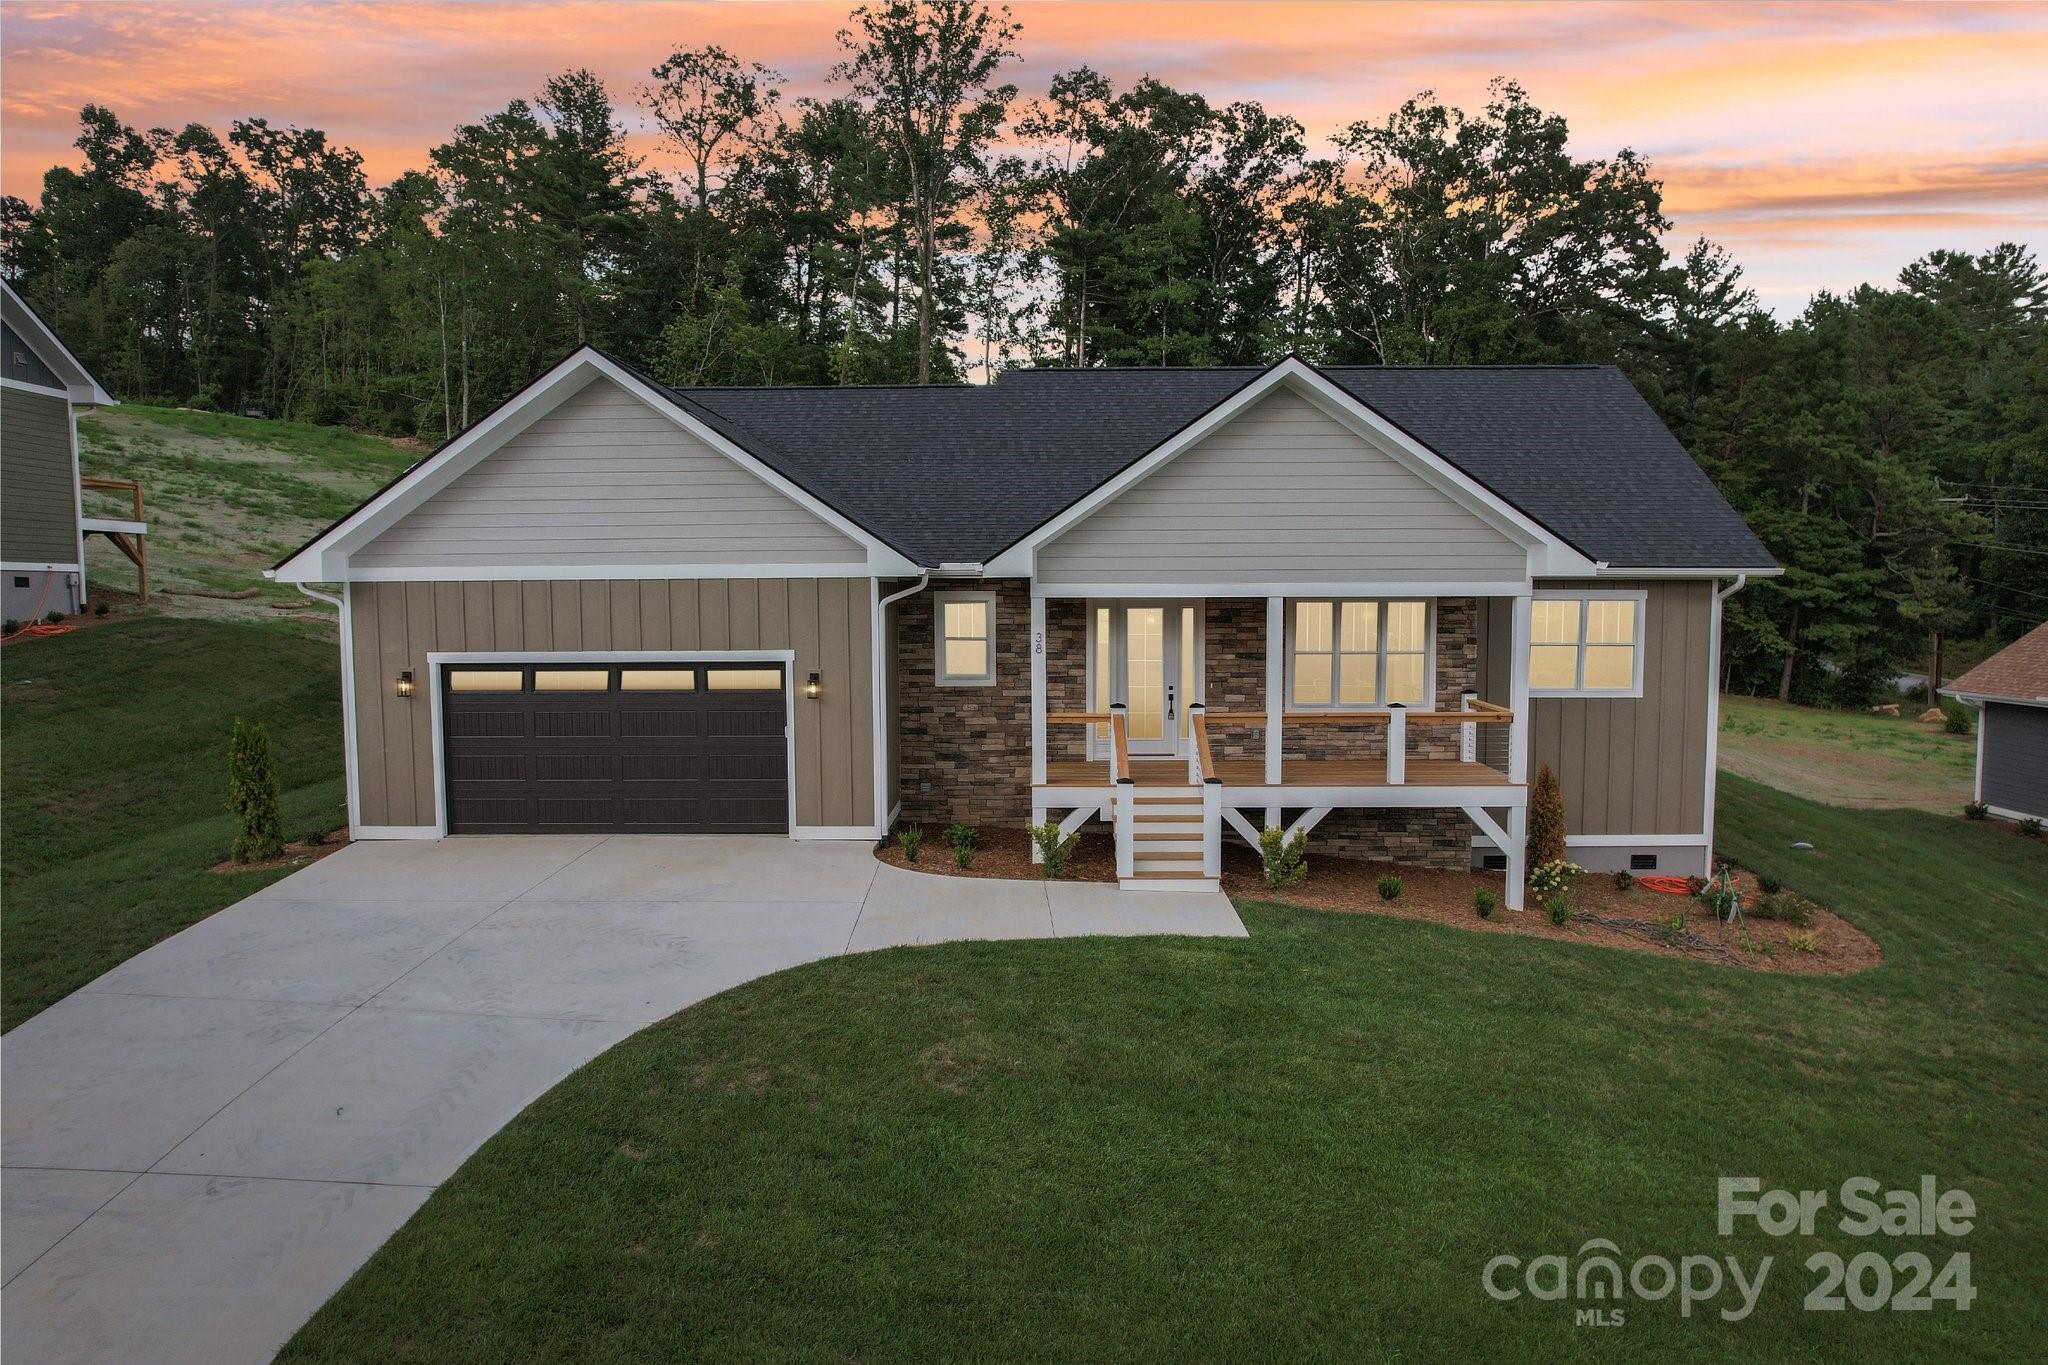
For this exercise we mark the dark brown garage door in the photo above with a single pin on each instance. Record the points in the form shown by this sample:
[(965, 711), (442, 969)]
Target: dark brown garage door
[(618, 748)]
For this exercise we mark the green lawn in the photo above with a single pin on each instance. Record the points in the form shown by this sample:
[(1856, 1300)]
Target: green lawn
[(113, 774), (1848, 758), (1306, 1144)]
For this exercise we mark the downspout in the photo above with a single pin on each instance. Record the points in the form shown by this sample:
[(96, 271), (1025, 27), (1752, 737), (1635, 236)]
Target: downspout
[(348, 701), (1721, 595), (881, 691)]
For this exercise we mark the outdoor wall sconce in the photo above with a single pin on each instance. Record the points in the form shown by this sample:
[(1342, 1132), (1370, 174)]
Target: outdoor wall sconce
[(405, 683), (812, 687)]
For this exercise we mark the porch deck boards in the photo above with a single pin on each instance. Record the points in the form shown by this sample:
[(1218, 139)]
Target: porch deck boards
[(1294, 772)]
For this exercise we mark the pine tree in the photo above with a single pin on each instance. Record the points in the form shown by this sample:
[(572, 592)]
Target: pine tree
[(252, 795), (1546, 820)]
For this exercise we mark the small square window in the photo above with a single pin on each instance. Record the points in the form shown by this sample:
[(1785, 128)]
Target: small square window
[(966, 640), (1586, 644)]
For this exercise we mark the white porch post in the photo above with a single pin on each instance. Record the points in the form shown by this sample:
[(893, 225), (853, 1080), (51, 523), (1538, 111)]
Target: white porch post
[(1037, 690), (1518, 857), (1276, 695), (1397, 745), (1518, 692)]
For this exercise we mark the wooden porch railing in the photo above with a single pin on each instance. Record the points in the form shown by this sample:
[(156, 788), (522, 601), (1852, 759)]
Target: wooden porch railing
[(136, 547), (1397, 719)]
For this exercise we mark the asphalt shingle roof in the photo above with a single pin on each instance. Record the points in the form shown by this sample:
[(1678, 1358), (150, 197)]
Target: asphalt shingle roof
[(954, 474), (2019, 671)]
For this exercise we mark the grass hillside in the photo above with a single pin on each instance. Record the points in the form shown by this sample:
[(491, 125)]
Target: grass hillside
[(1848, 758), (225, 497)]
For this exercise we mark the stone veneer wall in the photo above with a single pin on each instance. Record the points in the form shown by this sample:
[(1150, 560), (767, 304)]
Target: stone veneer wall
[(966, 751)]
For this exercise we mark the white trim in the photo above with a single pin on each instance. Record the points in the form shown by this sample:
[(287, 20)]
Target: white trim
[(104, 524), (1426, 701), (351, 768), (394, 832), (77, 497), (864, 833), (1556, 557), (439, 659), (1611, 571), (31, 328), (324, 559), (1038, 685), (884, 656), (1641, 598), (542, 573), (1276, 694), (1523, 726), (1713, 775), (1510, 587), (40, 390), (2015, 815), (1979, 698), (940, 677), (13, 567), (1616, 840)]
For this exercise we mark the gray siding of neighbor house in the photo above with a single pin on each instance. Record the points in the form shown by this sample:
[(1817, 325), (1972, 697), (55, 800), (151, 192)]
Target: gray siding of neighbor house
[(19, 360), (38, 499), (1283, 492), (2015, 740), (605, 479), (394, 626), (1626, 765)]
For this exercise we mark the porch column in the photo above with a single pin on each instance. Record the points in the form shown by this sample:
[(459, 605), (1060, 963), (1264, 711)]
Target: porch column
[(1518, 692), (1276, 695), (1037, 690), (1517, 879)]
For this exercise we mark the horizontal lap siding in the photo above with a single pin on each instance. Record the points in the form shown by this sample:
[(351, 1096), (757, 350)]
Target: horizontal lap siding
[(1283, 491), (605, 479), (38, 500), (1626, 765), (394, 626)]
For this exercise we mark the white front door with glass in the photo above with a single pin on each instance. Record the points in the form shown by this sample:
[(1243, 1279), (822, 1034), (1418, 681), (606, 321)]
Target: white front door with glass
[(1148, 656)]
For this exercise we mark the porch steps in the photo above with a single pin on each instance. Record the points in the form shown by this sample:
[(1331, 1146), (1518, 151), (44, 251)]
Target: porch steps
[(1167, 837)]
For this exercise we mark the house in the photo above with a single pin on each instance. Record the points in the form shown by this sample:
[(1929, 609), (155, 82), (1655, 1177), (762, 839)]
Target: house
[(1188, 603), (42, 515), (2010, 692)]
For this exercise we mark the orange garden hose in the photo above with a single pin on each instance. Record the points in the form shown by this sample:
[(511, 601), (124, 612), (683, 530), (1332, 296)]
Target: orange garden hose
[(35, 626), (1669, 885)]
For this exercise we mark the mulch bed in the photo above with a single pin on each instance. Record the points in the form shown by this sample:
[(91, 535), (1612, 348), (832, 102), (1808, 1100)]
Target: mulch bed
[(294, 855), (1602, 912)]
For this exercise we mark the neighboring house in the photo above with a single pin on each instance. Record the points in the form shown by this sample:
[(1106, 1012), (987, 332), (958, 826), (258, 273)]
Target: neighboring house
[(2010, 692), (42, 522), (1364, 601)]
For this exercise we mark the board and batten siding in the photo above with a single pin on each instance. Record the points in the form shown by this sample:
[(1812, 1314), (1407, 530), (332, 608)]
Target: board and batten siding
[(826, 621), (38, 495), (606, 479), (1626, 765), (2015, 773), (1283, 491)]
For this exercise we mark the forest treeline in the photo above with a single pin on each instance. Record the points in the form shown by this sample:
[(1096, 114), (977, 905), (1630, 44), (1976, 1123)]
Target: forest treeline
[(924, 220)]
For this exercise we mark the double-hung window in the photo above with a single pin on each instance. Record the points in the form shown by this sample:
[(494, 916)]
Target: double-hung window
[(1586, 644), (966, 639), (1359, 653)]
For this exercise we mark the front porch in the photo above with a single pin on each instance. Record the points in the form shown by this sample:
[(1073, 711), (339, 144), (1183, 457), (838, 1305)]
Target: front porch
[(1123, 728)]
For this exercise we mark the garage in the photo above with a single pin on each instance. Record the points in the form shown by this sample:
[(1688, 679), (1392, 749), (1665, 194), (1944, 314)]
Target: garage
[(616, 748)]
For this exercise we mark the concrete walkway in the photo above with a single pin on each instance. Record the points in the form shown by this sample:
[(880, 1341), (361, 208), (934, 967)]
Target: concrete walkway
[(203, 1144)]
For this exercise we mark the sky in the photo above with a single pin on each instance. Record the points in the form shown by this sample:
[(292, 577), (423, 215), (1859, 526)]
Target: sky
[(1824, 144)]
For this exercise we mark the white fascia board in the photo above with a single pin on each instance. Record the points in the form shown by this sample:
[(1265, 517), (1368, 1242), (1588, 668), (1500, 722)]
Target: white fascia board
[(543, 573), (1555, 556), (81, 387), (325, 560), (1616, 571), (1977, 699), (1336, 587)]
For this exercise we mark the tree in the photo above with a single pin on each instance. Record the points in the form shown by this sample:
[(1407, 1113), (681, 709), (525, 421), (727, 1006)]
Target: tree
[(927, 69), (252, 794), (1546, 820), (712, 107)]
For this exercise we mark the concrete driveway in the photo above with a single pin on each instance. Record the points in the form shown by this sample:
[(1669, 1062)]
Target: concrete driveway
[(203, 1144)]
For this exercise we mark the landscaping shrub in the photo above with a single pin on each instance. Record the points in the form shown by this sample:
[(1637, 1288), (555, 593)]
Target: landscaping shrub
[(1285, 860), (1560, 909), (9, 626), (912, 839), (252, 795), (1483, 901), (54, 617), (2030, 827), (1624, 879), (1055, 850), (1770, 886), (1390, 887), (1955, 718), (964, 839), (1550, 879), (1784, 905), (314, 837), (101, 609), (1802, 943), (1546, 820), (1975, 810)]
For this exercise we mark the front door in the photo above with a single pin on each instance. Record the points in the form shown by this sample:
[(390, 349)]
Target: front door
[(1150, 665)]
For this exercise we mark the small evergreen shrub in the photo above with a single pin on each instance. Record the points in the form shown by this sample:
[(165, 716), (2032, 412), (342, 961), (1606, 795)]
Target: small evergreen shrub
[(1624, 879), (2030, 827), (314, 837), (1390, 887), (252, 795), (1284, 860), (54, 617), (963, 839), (1802, 943), (1955, 718), (1560, 909), (9, 626), (1483, 902), (911, 838), (1770, 886), (1784, 905), (1055, 849), (1976, 810), (1546, 820), (101, 609)]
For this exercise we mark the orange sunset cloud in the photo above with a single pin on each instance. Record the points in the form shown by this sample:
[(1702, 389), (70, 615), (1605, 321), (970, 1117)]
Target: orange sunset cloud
[(1828, 144)]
